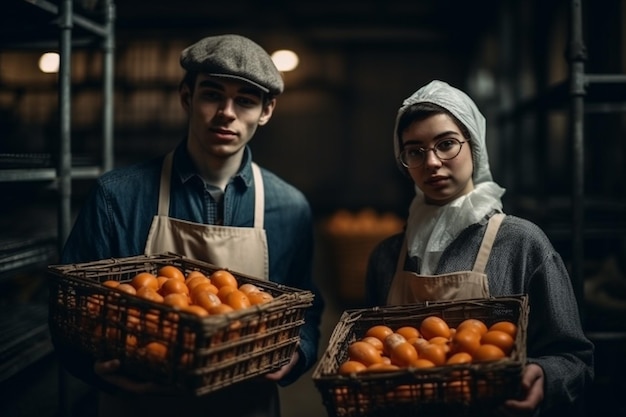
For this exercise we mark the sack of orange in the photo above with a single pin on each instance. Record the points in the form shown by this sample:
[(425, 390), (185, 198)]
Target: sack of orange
[(441, 358), (175, 320)]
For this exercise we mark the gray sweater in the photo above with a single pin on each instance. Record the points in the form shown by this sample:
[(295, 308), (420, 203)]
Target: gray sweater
[(522, 261)]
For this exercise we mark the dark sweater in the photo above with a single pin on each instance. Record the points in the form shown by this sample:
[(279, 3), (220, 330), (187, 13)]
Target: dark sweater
[(522, 261)]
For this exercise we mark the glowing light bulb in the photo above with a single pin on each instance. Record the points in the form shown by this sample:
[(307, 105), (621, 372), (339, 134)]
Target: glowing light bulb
[(285, 60), (49, 62)]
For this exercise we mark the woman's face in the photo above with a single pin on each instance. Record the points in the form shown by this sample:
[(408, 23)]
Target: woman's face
[(440, 181)]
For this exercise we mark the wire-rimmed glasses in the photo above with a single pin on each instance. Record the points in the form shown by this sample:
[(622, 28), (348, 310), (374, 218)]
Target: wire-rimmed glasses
[(446, 149)]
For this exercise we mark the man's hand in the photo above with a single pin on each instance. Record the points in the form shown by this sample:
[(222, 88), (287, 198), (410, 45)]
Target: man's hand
[(108, 371), (278, 375), (532, 392)]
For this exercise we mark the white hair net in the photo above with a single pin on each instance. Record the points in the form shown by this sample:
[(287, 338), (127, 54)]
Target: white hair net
[(430, 228), (463, 108)]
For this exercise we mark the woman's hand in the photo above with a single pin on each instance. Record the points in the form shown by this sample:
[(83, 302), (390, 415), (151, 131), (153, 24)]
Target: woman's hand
[(532, 393), (108, 371)]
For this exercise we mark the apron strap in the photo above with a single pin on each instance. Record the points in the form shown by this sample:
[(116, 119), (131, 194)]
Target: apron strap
[(259, 197), (485, 248), (164, 190)]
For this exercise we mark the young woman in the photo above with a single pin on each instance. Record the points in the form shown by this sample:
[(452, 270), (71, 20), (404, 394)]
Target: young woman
[(458, 244)]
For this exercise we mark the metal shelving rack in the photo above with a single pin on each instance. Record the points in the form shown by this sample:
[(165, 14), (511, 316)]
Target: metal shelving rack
[(596, 218), (55, 172)]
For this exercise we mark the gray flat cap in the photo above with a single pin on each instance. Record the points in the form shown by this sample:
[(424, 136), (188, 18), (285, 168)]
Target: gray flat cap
[(233, 56)]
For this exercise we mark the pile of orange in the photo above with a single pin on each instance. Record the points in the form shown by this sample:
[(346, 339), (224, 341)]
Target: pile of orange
[(432, 343), (194, 292)]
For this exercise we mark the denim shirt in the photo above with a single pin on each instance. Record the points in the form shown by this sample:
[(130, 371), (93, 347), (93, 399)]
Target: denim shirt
[(115, 220)]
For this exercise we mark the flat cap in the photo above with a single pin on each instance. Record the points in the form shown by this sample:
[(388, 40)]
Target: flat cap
[(233, 56)]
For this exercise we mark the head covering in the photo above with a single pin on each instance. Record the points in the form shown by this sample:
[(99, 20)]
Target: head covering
[(233, 56), (430, 229), (463, 108)]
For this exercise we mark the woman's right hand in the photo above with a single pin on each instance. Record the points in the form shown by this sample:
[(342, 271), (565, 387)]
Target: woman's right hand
[(108, 371)]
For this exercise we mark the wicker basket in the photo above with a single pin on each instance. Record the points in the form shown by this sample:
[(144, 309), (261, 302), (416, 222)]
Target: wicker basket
[(463, 390), (201, 354)]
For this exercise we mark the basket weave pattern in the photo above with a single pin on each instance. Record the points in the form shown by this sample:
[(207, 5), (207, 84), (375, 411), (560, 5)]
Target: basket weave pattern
[(203, 354), (453, 390)]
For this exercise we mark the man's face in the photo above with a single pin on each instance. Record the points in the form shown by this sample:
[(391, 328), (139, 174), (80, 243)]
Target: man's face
[(223, 115)]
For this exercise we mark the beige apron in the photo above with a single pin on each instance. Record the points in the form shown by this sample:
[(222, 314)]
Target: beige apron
[(241, 249), (409, 287)]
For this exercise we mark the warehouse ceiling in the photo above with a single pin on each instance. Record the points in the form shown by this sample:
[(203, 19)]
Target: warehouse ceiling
[(393, 23)]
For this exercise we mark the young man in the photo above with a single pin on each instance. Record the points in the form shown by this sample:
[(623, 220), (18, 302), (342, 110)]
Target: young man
[(206, 200)]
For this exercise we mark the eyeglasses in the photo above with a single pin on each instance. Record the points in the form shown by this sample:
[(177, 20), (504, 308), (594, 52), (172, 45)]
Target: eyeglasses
[(445, 150)]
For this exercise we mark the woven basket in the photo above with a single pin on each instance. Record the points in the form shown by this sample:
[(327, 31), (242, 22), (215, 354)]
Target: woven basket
[(201, 355), (453, 390)]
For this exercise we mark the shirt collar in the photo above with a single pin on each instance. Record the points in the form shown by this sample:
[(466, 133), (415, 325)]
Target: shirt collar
[(184, 168)]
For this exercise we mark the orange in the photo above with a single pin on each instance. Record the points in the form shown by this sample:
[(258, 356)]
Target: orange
[(145, 279), (364, 352), (379, 331), (488, 353), (260, 297), (127, 288), (221, 309), (149, 294), (224, 290), (391, 342), (382, 367), (506, 327), (423, 363), (458, 391), (238, 300), (248, 288), (200, 288), (174, 286), (195, 309), (111, 283), (206, 300), (433, 352), (172, 272), (161, 280), (222, 277), (194, 274), (156, 351), (374, 341), (350, 367), (403, 354), (498, 338), (408, 332), (465, 340), (460, 357), (177, 300), (192, 282), (440, 340), (433, 326), (475, 324)]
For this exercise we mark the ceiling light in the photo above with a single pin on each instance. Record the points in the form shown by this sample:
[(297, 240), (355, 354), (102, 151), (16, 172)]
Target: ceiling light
[(49, 62), (285, 60)]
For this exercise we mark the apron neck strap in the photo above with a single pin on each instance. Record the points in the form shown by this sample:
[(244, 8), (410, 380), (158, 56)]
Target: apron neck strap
[(164, 190), (259, 191), (485, 248), (259, 197)]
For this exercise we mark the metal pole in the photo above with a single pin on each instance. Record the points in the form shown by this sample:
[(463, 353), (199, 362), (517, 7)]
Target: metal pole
[(64, 168), (577, 59), (108, 47)]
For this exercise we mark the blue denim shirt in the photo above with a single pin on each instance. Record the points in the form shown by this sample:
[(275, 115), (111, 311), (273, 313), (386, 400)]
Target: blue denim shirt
[(116, 217)]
